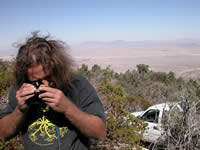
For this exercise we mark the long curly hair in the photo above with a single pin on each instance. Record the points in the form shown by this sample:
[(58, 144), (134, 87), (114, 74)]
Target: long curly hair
[(51, 54)]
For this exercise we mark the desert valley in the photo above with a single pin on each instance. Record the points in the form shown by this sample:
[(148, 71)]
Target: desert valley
[(180, 56)]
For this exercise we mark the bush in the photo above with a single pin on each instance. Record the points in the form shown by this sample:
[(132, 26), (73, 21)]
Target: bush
[(134, 103), (5, 79), (15, 143), (122, 128), (182, 128)]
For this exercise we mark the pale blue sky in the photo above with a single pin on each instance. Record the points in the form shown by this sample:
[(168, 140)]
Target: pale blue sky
[(77, 21)]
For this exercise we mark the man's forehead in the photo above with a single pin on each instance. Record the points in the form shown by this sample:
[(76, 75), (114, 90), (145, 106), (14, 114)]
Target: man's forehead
[(37, 72), (40, 67)]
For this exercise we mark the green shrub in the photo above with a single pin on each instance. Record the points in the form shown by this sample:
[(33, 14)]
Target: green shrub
[(141, 102), (15, 143), (4, 82), (122, 128), (5, 78)]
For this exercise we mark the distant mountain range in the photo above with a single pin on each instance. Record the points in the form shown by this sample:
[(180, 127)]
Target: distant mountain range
[(181, 43)]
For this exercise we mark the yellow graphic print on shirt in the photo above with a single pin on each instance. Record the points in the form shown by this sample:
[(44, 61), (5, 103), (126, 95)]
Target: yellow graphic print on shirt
[(43, 132)]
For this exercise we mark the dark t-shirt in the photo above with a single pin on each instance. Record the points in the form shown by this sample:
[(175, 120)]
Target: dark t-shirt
[(45, 129)]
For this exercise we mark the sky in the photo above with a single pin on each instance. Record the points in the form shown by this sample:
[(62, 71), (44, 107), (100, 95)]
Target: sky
[(76, 21)]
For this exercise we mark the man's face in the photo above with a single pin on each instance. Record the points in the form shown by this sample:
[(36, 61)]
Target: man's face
[(37, 72)]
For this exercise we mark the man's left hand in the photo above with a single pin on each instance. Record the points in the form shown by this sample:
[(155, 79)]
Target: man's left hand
[(53, 97)]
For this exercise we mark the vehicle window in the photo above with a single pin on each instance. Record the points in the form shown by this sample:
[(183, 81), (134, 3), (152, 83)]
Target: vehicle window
[(151, 116)]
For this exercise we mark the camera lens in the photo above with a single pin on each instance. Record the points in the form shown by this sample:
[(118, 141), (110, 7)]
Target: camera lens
[(37, 83)]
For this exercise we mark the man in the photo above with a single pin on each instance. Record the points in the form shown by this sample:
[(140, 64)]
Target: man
[(50, 105)]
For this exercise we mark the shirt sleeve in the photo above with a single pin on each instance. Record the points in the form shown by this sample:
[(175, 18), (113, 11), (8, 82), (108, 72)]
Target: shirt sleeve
[(12, 103), (89, 100)]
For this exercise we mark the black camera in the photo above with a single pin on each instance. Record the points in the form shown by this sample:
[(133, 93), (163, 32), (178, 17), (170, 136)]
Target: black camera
[(37, 83), (35, 99)]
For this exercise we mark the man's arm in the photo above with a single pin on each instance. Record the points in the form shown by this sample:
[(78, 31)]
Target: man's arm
[(10, 124), (88, 124)]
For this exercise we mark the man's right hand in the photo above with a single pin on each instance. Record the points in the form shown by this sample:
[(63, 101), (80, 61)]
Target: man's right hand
[(25, 92)]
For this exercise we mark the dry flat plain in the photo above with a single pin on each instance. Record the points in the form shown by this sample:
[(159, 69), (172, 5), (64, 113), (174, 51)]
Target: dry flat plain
[(179, 56)]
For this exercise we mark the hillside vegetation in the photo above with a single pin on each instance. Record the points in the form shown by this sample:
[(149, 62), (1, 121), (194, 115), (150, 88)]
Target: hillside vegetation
[(144, 86)]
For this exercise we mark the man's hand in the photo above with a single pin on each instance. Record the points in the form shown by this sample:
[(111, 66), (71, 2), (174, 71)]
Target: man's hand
[(54, 98), (25, 92)]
